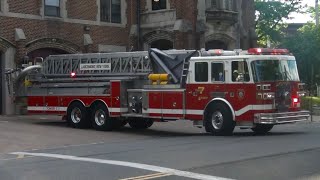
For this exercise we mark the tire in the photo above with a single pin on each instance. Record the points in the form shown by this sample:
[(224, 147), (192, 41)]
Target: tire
[(100, 118), (140, 123), (218, 120), (262, 128), (77, 116), (123, 123)]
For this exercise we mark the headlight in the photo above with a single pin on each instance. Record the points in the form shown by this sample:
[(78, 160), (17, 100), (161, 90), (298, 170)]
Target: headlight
[(301, 93), (269, 95)]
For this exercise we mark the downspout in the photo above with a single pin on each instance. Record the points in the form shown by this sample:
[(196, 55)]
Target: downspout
[(138, 26)]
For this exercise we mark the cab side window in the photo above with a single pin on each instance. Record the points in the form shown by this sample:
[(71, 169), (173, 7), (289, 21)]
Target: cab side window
[(201, 72), (240, 72), (217, 72)]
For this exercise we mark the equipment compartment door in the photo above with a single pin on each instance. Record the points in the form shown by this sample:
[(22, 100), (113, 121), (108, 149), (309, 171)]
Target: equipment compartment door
[(155, 104), (52, 105), (173, 104), (115, 100)]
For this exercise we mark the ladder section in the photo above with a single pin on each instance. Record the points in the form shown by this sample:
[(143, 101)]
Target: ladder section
[(185, 69), (98, 64)]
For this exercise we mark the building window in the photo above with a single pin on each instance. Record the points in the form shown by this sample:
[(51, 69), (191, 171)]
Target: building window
[(212, 4), (221, 4), (110, 11), (52, 8), (159, 4), (201, 72), (228, 5)]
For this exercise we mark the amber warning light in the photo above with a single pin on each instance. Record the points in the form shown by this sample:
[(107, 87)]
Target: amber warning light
[(267, 51)]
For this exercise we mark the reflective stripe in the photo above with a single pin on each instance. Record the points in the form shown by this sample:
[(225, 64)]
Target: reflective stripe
[(253, 107), (173, 111), (158, 111), (118, 110), (59, 109), (46, 108)]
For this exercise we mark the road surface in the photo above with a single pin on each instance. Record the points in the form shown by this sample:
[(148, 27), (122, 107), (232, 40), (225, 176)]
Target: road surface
[(34, 147)]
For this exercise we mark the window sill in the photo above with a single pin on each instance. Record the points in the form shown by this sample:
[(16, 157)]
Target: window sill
[(103, 23), (158, 11), (53, 18)]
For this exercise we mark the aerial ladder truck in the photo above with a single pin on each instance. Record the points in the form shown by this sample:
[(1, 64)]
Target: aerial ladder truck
[(216, 89)]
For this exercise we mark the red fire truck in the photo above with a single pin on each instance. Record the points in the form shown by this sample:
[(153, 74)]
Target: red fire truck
[(216, 89)]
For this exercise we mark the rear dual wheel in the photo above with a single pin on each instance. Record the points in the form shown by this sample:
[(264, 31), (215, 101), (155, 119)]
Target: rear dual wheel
[(101, 120), (77, 116)]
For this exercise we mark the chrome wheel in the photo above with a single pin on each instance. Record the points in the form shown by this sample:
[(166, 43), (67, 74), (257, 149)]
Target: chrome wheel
[(217, 120), (100, 117), (76, 115)]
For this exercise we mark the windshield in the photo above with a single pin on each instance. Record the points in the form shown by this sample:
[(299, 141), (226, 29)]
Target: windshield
[(275, 70)]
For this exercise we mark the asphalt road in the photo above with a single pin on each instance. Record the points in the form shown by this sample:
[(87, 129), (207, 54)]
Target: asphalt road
[(35, 148)]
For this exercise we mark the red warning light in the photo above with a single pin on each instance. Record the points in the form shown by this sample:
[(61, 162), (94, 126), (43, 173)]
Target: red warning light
[(267, 51), (73, 74)]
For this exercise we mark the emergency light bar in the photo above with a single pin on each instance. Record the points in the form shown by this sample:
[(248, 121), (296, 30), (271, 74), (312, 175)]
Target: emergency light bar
[(267, 51), (217, 52)]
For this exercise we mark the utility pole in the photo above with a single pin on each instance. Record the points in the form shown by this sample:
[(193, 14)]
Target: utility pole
[(317, 12)]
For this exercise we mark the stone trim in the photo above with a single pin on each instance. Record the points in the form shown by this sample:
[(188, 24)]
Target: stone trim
[(52, 43), (231, 42), (221, 37), (5, 44), (157, 35)]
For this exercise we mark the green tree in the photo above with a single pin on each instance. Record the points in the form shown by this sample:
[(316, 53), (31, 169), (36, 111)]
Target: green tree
[(305, 46), (270, 16)]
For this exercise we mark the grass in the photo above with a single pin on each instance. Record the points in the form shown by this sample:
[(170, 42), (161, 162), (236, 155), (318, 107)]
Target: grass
[(308, 102)]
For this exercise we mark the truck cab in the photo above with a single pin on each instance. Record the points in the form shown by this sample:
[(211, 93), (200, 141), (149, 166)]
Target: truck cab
[(257, 89)]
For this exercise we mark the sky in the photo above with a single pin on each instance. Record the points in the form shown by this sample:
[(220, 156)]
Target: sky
[(302, 18)]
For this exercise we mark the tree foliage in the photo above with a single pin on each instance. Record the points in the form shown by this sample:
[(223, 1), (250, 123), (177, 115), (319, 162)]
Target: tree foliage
[(305, 46), (270, 16)]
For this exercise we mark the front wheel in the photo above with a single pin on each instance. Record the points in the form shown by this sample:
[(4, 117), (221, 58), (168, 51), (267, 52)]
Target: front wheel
[(218, 120), (262, 128)]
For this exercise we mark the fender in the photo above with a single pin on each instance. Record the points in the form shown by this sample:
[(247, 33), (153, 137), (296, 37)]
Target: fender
[(75, 101), (226, 102)]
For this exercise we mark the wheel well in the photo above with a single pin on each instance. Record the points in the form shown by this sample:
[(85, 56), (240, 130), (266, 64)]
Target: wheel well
[(214, 103), (76, 101), (99, 102)]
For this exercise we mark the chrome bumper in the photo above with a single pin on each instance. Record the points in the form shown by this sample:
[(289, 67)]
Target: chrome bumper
[(281, 118)]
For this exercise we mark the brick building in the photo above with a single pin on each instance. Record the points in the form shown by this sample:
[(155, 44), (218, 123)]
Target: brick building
[(37, 28)]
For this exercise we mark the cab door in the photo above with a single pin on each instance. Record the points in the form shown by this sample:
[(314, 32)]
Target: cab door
[(217, 85), (205, 83)]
